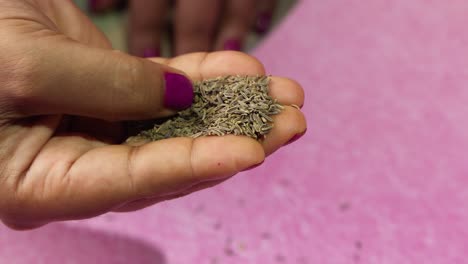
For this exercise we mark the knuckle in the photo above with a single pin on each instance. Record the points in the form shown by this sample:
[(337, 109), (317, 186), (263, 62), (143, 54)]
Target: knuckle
[(21, 83), (126, 76), (18, 76), (127, 83)]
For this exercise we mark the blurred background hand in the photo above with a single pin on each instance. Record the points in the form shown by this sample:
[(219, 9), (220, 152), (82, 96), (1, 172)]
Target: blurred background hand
[(203, 25)]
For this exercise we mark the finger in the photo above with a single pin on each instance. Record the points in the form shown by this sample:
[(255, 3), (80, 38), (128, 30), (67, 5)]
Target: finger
[(238, 19), (99, 6), (104, 178), (195, 25), (114, 86), (66, 20), (202, 65), (143, 203), (146, 26), (291, 122), (286, 91), (289, 126), (84, 81), (221, 63), (264, 15)]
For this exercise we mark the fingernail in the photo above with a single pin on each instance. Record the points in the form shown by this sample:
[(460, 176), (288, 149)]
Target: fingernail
[(296, 137), (151, 52), (263, 23), (179, 91), (232, 44), (92, 6), (254, 166)]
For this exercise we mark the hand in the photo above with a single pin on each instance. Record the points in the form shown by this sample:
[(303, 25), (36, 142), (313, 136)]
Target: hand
[(202, 25), (64, 98)]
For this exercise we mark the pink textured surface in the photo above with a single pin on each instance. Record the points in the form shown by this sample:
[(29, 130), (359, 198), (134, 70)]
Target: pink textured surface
[(381, 177)]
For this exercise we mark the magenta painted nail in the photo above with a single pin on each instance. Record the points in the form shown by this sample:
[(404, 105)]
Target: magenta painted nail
[(233, 44), (179, 91), (263, 23), (151, 52), (92, 5), (296, 137)]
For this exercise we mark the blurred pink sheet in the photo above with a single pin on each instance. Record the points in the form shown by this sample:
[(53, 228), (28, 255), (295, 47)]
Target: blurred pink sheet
[(381, 176)]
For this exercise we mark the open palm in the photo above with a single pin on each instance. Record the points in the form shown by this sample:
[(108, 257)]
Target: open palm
[(63, 106)]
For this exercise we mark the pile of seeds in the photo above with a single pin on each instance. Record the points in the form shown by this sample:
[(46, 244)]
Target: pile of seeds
[(237, 105)]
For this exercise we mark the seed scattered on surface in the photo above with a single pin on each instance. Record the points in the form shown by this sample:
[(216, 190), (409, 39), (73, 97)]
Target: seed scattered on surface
[(344, 206), (229, 252), (238, 105), (265, 235), (358, 244)]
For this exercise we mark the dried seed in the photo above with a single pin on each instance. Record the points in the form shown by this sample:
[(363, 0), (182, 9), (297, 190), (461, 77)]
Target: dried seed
[(236, 105)]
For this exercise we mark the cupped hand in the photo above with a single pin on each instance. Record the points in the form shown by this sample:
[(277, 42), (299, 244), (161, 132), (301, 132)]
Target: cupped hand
[(64, 102)]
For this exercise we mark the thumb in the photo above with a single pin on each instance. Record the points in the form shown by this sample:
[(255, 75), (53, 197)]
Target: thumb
[(72, 78)]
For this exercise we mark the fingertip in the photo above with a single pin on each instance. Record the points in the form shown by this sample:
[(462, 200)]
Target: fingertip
[(237, 23), (288, 125), (253, 155), (21, 227), (287, 91), (296, 137), (179, 91)]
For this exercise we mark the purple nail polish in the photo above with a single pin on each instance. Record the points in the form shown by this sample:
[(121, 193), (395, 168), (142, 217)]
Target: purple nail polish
[(254, 166), (92, 6), (263, 23), (179, 91), (233, 44), (296, 137), (151, 52)]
